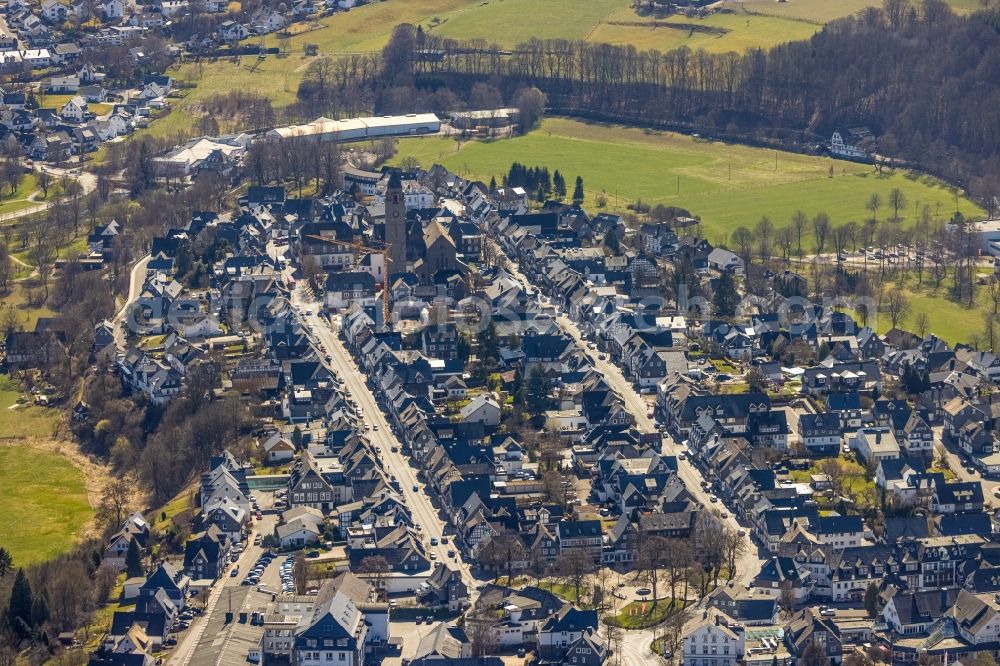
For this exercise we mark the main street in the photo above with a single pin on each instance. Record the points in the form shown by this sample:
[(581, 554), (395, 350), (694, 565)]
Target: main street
[(395, 463)]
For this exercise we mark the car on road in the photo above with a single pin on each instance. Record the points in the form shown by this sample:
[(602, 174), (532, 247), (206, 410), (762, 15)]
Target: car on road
[(414, 487), (375, 427), (434, 541), (235, 572), (451, 553), (395, 449), (603, 357), (713, 499), (433, 556)]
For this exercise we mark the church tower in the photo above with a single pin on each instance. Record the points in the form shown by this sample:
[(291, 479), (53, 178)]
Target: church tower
[(395, 226)]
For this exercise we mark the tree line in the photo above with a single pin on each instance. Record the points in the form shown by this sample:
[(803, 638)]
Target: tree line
[(919, 75)]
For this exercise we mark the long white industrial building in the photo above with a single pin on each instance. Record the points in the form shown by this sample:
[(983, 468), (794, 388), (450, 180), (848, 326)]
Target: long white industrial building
[(360, 129)]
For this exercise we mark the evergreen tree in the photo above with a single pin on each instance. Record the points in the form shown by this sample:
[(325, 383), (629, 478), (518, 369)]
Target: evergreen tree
[(871, 599), (537, 390), (726, 296), (559, 185), (489, 345), (19, 610), (463, 348), (133, 559), (6, 562), (39, 610), (578, 191), (493, 183), (612, 243)]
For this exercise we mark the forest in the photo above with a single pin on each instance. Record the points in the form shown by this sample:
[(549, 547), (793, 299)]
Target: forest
[(921, 77)]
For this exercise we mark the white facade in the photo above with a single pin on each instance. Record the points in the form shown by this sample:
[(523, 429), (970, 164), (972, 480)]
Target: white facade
[(713, 644)]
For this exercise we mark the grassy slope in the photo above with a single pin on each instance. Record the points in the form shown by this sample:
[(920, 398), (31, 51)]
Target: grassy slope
[(743, 31), (629, 164), (953, 322), (43, 502)]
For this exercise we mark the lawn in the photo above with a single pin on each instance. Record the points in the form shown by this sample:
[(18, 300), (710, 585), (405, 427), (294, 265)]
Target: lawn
[(717, 33), (857, 484), (642, 614), (26, 420), (43, 502), (727, 185), (17, 298), (562, 590), (179, 506), (951, 321)]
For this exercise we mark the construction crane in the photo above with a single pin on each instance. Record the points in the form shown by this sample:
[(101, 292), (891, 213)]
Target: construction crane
[(364, 250)]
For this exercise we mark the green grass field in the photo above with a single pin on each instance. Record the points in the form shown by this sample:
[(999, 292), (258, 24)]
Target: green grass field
[(43, 502), (25, 420), (951, 321), (823, 11), (728, 185), (733, 30)]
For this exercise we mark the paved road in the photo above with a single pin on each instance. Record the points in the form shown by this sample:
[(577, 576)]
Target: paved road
[(395, 463), (137, 278), (87, 180), (957, 465), (185, 649)]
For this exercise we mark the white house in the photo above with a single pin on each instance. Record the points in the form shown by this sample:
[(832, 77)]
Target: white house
[(267, 20), (724, 260), (54, 11), (483, 409), (300, 526), (876, 444), (849, 141), (231, 31), (74, 109), (277, 449), (113, 9), (713, 643)]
